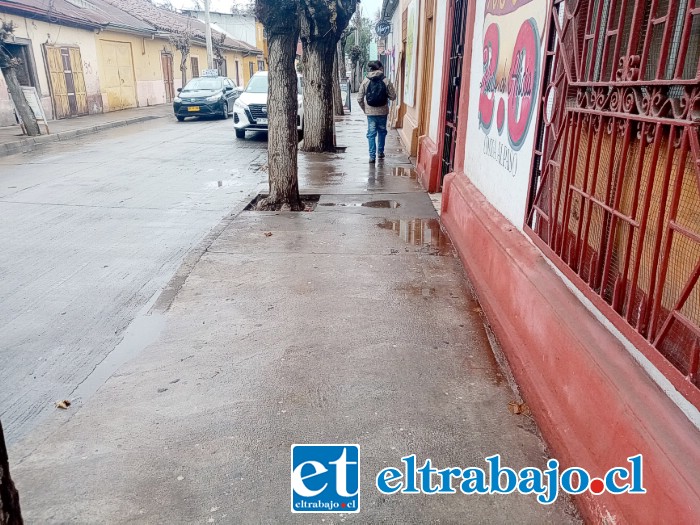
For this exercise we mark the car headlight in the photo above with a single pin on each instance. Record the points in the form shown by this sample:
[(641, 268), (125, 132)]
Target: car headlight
[(177, 99), (240, 105), (214, 98)]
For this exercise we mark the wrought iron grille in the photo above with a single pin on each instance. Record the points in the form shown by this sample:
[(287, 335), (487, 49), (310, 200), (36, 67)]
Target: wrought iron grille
[(454, 78), (615, 191)]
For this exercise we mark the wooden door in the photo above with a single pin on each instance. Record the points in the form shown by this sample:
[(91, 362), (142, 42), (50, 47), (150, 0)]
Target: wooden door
[(68, 91), (57, 78), (428, 61), (118, 76), (195, 66), (168, 80), (79, 89)]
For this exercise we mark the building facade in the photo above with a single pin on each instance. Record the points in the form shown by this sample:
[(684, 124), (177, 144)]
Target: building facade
[(565, 138), (86, 57)]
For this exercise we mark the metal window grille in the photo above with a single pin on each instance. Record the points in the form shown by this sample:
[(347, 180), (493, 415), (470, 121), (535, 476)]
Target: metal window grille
[(615, 191)]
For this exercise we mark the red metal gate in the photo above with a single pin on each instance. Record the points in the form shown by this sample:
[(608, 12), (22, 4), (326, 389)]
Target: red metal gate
[(615, 191)]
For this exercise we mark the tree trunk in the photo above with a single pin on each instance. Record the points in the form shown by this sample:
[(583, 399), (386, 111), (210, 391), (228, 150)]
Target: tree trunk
[(31, 126), (282, 142), (318, 95), (183, 70), (343, 73), (10, 513), (337, 95)]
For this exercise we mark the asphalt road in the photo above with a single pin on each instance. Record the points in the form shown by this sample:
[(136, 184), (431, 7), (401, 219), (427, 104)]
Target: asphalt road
[(91, 230)]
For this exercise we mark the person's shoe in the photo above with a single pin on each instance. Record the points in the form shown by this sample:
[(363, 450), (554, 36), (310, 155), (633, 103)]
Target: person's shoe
[(372, 160), (381, 155)]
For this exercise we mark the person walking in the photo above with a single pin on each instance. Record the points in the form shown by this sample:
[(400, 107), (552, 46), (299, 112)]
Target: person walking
[(373, 97)]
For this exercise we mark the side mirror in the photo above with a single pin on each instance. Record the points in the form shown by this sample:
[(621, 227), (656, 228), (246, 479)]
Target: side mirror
[(228, 88), (179, 90)]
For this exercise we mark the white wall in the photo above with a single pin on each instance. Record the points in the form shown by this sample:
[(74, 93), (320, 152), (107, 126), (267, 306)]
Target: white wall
[(439, 60), (45, 33), (498, 155)]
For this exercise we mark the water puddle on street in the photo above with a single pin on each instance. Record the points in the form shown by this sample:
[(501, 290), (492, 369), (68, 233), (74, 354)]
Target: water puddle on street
[(142, 332), (426, 233), (221, 183)]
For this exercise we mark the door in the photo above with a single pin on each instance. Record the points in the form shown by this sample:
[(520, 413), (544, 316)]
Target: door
[(195, 66), (118, 77), (427, 84), (167, 61), (458, 13), (68, 91)]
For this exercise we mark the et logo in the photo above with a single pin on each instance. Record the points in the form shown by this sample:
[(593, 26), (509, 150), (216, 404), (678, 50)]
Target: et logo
[(325, 478)]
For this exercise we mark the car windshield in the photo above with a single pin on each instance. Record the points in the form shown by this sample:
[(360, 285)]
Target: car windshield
[(258, 84), (203, 84)]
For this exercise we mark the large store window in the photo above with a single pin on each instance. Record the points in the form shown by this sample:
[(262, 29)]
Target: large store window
[(615, 192)]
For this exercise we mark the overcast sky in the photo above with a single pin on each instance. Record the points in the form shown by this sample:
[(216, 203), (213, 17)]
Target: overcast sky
[(369, 7)]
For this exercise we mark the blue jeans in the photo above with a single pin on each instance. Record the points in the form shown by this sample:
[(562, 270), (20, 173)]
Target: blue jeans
[(376, 125)]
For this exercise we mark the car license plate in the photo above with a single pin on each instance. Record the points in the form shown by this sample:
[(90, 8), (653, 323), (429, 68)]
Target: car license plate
[(193, 108), (262, 121)]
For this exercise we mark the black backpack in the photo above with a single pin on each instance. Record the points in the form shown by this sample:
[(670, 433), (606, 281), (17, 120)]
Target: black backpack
[(377, 95)]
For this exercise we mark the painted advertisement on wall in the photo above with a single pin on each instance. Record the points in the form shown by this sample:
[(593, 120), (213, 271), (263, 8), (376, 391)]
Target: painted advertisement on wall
[(409, 89), (506, 73)]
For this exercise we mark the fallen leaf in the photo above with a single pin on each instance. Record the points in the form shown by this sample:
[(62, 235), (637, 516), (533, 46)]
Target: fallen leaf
[(519, 408), (268, 234), (63, 404)]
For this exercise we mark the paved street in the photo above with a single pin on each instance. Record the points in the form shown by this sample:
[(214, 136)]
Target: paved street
[(92, 229)]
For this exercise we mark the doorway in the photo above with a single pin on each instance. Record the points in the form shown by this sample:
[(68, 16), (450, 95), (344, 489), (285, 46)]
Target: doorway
[(168, 80), (458, 17), (68, 92)]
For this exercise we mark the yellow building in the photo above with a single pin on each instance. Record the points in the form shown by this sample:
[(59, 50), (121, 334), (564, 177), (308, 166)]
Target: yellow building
[(85, 58)]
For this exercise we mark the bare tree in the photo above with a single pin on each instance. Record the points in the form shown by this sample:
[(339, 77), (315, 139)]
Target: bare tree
[(182, 41), (337, 95), (321, 23), (280, 20), (8, 63), (10, 513)]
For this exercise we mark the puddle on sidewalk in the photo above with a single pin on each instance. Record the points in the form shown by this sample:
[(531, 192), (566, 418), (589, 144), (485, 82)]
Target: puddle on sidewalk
[(381, 204), (421, 232), (408, 173), (369, 204)]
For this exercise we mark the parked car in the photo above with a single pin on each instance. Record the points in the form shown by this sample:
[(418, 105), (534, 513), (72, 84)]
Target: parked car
[(250, 109), (206, 96)]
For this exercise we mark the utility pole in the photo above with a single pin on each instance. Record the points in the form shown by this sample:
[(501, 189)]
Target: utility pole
[(210, 49)]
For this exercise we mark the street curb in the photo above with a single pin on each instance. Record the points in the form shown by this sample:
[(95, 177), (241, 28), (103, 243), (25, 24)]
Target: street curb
[(169, 292), (33, 143)]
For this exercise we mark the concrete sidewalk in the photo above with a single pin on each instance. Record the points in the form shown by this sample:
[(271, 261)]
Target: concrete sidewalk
[(353, 323), (12, 140)]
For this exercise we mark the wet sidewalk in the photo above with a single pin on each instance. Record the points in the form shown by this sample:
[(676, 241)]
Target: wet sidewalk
[(352, 323), (13, 141)]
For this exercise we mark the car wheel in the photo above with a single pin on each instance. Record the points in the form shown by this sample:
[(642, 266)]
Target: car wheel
[(240, 133), (224, 111), (179, 118)]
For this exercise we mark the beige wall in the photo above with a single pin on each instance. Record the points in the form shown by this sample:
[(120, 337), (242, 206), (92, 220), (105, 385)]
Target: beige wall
[(45, 33)]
